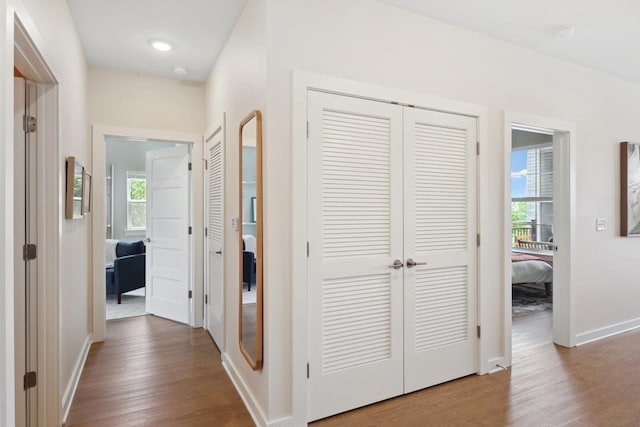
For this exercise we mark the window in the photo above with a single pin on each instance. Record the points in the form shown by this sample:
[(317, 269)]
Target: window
[(532, 193), (136, 201)]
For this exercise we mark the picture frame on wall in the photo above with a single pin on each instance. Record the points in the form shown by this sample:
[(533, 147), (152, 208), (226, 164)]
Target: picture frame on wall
[(629, 189), (74, 188), (86, 192)]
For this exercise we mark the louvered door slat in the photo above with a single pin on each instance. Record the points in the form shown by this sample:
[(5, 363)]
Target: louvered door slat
[(440, 343), (355, 184), (215, 229)]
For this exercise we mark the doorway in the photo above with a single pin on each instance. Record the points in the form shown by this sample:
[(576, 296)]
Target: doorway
[(531, 238), (126, 225), (539, 212), (172, 292)]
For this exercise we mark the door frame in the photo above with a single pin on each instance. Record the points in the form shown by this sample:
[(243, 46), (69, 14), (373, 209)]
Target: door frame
[(210, 134), (563, 313), (99, 133), (22, 51), (302, 83)]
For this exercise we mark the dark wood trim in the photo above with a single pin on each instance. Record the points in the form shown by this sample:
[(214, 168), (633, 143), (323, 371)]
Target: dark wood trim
[(17, 73)]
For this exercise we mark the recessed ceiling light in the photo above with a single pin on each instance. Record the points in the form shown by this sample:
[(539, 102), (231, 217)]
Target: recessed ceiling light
[(180, 71), (160, 45)]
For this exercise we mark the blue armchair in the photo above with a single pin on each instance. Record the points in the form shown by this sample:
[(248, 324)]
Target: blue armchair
[(128, 271)]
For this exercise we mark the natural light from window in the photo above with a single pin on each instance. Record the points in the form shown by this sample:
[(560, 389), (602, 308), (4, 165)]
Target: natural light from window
[(136, 201)]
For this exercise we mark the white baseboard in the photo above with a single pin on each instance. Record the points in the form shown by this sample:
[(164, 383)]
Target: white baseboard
[(282, 422), (72, 386), (598, 334), (245, 394)]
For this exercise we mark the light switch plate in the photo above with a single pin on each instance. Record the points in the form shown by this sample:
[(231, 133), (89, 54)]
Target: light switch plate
[(601, 224), (234, 223)]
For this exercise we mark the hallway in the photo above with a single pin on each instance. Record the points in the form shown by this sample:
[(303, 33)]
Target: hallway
[(154, 372)]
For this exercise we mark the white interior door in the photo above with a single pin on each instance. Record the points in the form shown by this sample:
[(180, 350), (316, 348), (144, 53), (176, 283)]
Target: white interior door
[(440, 338), (168, 233), (388, 185), (214, 307), (355, 208), (25, 267)]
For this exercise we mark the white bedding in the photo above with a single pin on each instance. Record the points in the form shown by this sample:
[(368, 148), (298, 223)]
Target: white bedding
[(531, 272)]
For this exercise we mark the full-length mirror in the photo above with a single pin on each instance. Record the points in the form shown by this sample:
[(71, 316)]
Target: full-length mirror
[(251, 239)]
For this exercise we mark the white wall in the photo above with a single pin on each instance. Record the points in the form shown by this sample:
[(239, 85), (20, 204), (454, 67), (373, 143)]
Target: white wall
[(375, 43), (51, 28), (236, 86), (126, 156), (121, 98)]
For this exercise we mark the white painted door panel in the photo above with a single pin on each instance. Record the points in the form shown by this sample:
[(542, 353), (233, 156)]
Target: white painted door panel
[(440, 233), (167, 259), (214, 242), (355, 208), (387, 182)]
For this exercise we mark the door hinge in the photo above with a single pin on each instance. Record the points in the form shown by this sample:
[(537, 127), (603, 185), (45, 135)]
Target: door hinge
[(477, 148), (307, 370), (190, 230), (206, 299), (29, 124), (206, 231), (189, 167), (206, 164), (307, 249), (30, 380), (307, 130), (190, 294), (29, 252), (478, 330), (478, 239)]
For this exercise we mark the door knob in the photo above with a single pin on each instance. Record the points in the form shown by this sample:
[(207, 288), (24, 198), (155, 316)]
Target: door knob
[(397, 264), (148, 240), (412, 263), (218, 252)]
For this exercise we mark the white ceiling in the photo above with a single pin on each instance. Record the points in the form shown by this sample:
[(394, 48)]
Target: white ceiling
[(607, 34), (116, 33)]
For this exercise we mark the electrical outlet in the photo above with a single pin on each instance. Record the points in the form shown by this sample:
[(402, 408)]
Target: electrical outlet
[(601, 224), (234, 223)]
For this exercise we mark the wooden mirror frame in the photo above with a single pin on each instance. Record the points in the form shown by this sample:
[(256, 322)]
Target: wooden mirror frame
[(255, 363)]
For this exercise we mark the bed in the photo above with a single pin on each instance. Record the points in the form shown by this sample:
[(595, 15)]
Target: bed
[(532, 267)]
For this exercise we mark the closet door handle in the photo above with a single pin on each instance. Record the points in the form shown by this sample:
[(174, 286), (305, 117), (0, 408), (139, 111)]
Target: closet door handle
[(412, 263), (397, 264)]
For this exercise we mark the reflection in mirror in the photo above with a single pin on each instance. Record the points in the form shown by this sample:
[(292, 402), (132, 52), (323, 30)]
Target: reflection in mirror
[(75, 173), (251, 239)]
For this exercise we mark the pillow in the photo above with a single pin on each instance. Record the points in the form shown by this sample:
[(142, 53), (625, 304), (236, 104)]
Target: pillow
[(110, 252), (129, 248)]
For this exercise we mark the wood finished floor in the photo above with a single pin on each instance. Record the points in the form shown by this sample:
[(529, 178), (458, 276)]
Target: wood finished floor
[(154, 372)]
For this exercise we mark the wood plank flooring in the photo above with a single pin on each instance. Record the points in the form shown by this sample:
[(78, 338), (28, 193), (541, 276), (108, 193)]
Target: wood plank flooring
[(597, 384), (154, 372)]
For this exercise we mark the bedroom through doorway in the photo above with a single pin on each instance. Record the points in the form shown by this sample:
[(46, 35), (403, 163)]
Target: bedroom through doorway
[(532, 240)]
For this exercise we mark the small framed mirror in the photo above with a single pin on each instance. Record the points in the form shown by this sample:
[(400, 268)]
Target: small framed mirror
[(74, 190), (251, 286)]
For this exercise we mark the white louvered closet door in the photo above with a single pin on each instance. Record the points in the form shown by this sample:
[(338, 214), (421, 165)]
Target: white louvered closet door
[(214, 240), (355, 233), (440, 230)]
